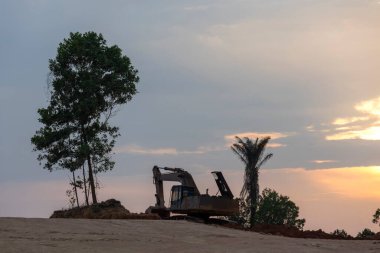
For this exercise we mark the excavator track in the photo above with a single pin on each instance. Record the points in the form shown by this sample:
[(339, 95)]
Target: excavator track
[(210, 221)]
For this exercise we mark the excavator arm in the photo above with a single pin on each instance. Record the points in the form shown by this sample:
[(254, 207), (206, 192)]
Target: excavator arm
[(175, 175)]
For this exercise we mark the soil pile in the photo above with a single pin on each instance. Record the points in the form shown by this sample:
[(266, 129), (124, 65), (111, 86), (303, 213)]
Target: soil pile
[(109, 209), (294, 232)]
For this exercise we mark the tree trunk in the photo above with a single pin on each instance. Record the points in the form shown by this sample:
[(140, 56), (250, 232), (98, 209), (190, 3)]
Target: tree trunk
[(91, 179), (254, 195), (75, 189), (85, 185), (90, 173)]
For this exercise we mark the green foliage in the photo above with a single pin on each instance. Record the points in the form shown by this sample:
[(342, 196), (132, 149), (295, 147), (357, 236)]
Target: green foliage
[(366, 234), (376, 216), (252, 154), (72, 199), (340, 233), (88, 81), (274, 208), (241, 216)]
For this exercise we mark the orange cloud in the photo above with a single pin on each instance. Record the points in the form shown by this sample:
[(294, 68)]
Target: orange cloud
[(352, 182), (323, 161), (253, 135), (345, 121), (370, 133), (366, 128), (369, 106)]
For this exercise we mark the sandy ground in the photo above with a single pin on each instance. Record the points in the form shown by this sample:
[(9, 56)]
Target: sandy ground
[(69, 235)]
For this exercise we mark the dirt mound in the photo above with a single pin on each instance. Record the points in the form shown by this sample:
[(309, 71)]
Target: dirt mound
[(109, 209), (295, 232), (289, 231)]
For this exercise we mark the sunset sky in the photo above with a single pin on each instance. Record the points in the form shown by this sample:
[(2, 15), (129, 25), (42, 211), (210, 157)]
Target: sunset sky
[(305, 72)]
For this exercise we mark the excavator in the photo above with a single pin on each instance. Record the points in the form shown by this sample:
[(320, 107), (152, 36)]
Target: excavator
[(186, 198)]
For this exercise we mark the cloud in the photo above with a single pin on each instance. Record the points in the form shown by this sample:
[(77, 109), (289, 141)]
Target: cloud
[(230, 139), (369, 134), (352, 182), (276, 145), (361, 127), (273, 135), (197, 8), (371, 107), (310, 128), (345, 121), (302, 41), (323, 161), (349, 182), (135, 149)]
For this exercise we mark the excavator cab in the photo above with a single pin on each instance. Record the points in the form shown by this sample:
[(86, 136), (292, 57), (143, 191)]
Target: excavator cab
[(179, 192)]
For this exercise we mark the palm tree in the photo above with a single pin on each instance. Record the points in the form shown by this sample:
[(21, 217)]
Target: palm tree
[(252, 155)]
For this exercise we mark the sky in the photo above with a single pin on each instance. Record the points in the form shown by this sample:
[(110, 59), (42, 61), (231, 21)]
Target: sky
[(304, 72)]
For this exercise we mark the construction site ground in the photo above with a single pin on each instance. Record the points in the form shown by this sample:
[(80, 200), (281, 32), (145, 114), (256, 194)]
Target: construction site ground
[(130, 235)]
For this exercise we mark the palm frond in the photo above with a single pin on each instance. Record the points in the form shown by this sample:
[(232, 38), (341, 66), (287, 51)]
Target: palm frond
[(239, 151), (266, 158)]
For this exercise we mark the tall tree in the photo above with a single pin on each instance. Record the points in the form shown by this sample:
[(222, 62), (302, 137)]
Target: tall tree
[(252, 154), (88, 82)]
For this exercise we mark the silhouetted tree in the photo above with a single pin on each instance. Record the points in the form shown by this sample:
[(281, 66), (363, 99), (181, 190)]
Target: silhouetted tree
[(366, 234), (88, 81), (252, 154), (340, 233), (274, 208), (376, 216)]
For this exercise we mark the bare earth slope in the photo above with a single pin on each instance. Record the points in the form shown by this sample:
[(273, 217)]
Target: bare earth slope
[(79, 235)]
